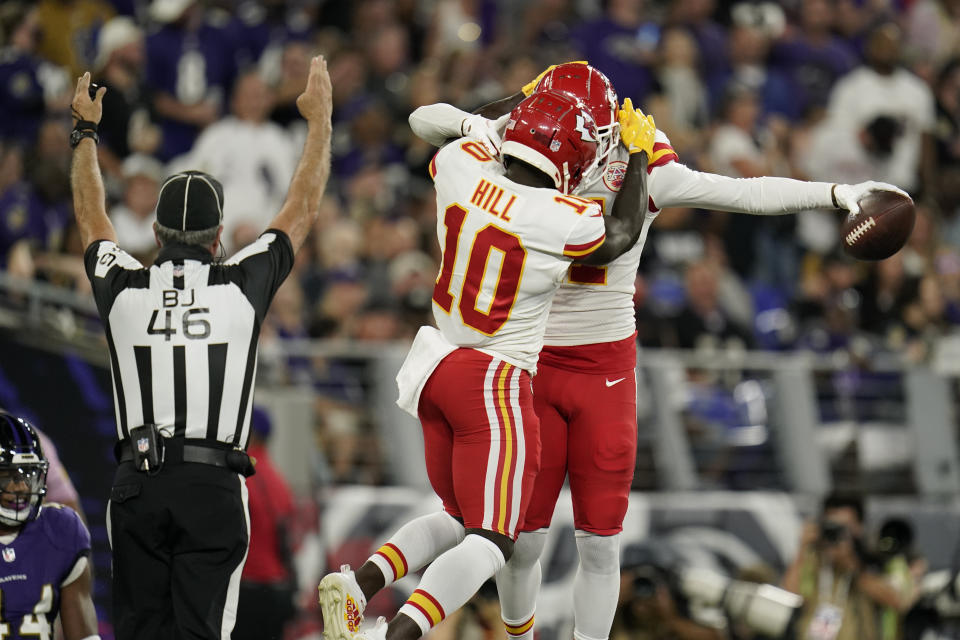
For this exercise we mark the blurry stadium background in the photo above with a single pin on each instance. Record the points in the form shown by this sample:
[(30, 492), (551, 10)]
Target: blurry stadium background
[(773, 369)]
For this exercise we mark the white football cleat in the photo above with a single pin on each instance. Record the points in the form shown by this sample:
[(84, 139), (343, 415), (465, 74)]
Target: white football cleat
[(379, 631), (342, 604)]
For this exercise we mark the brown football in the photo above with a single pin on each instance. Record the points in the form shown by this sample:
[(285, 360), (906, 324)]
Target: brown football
[(881, 228)]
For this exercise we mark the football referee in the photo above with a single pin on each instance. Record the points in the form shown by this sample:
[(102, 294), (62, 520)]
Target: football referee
[(182, 336)]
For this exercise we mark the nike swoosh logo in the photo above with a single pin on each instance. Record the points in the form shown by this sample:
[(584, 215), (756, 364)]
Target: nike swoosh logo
[(610, 383)]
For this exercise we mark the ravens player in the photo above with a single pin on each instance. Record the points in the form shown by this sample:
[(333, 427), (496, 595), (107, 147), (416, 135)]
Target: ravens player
[(44, 548)]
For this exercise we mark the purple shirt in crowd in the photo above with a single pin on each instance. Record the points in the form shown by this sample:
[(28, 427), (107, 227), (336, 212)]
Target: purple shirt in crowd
[(192, 67)]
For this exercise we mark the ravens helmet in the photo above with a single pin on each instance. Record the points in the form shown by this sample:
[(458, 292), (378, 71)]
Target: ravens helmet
[(23, 471)]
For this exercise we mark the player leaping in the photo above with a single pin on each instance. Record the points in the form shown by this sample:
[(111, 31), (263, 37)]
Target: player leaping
[(508, 233), (585, 390), (45, 547)]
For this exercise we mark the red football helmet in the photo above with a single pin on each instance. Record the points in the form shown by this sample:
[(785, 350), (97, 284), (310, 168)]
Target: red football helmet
[(554, 133), (595, 91)]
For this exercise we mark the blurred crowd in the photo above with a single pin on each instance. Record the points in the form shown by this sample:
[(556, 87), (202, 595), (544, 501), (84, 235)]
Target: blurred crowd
[(833, 90)]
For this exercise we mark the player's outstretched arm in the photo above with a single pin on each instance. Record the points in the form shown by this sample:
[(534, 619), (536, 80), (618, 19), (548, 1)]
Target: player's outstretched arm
[(625, 222), (675, 185), (300, 209), (89, 196), (77, 613)]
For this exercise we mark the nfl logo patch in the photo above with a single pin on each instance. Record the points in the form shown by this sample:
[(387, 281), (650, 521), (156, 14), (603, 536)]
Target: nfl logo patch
[(178, 271), (554, 145), (143, 445), (9, 554), (614, 175)]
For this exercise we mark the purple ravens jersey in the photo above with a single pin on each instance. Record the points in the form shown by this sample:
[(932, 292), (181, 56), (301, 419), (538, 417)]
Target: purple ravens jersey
[(32, 569)]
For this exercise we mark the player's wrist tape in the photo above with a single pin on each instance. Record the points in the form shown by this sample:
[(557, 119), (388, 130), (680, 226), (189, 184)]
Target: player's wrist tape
[(833, 196), (85, 125)]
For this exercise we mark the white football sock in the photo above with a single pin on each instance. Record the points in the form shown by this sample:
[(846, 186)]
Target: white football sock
[(596, 587), (416, 544), (518, 584), (452, 579)]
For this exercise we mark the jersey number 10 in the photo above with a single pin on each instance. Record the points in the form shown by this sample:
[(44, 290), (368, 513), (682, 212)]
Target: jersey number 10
[(487, 240)]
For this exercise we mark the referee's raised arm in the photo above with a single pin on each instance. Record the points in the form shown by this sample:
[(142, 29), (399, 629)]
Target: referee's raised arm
[(310, 178), (89, 196)]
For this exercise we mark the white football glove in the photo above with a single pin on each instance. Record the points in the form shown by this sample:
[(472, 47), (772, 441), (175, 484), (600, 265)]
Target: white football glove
[(488, 132), (848, 195)]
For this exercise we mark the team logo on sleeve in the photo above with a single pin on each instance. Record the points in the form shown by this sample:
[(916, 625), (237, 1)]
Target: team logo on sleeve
[(613, 176), (9, 554)]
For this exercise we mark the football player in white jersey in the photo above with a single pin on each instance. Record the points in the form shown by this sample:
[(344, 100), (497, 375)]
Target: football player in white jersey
[(508, 232), (585, 389)]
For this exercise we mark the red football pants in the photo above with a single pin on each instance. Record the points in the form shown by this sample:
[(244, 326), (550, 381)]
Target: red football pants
[(588, 428), (482, 440)]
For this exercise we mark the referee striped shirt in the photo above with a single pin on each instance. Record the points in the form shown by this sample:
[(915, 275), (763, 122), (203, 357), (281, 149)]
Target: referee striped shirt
[(183, 333)]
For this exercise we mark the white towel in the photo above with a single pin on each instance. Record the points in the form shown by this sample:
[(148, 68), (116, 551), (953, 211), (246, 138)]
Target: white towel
[(428, 349)]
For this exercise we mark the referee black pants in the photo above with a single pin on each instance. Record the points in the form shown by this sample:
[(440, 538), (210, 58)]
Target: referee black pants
[(179, 539)]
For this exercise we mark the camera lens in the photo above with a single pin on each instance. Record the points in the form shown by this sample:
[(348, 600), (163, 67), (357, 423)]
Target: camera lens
[(645, 582), (832, 531)]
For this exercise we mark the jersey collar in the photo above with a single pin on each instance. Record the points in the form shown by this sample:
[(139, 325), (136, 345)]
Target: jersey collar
[(180, 251)]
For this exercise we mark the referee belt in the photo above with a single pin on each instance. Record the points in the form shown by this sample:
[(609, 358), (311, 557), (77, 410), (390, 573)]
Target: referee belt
[(177, 450)]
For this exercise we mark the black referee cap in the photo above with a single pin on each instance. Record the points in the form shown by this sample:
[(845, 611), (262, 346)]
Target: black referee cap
[(190, 201)]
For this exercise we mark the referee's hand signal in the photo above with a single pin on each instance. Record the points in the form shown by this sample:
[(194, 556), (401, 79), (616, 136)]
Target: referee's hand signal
[(316, 101), (82, 107)]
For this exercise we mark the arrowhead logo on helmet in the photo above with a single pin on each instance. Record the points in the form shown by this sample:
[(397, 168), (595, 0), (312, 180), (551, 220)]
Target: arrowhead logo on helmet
[(585, 133)]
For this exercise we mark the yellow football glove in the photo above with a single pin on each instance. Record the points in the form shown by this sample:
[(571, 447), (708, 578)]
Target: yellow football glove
[(531, 86), (637, 131)]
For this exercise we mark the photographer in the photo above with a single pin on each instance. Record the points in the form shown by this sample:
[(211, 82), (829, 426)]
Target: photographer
[(649, 609), (904, 570), (842, 590)]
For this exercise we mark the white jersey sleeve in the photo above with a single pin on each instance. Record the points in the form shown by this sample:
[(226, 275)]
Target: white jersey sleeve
[(437, 123), (676, 185), (506, 248)]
